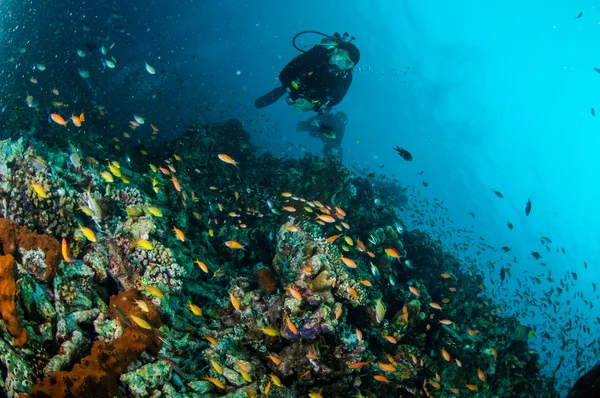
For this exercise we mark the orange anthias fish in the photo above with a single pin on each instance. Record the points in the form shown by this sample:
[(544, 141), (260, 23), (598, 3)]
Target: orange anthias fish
[(179, 234), (445, 354), (332, 238), (235, 245), (176, 183), (291, 326), (358, 365), (349, 263), (414, 291), (353, 293), (296, 294), (326, 218), (58, 119), (234, 302), (391, 252), (65, 251), (76, 121), (202, 266), (381, 378), (227, 159)]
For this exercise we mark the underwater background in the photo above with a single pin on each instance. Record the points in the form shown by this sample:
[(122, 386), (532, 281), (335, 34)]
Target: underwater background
[(495, 102)]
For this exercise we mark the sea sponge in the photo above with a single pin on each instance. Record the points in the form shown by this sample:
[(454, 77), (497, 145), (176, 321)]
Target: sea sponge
[(8, 292)]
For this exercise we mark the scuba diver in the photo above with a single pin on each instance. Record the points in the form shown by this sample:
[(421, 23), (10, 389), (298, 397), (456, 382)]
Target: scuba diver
[(329, 128), (318, 78)]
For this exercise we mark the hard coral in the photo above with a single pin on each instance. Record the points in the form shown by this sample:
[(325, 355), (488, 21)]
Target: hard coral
[(98, 373), (8, 292)]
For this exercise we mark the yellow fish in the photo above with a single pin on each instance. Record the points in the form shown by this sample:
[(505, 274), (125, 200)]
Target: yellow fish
[(124, 179), (269, 331), (195, 309), (379, 310), (107, 176), (141, 322), (88, 233), (39, 190), (246, 376), (348, 240), (144, 244), (114, 170), (153, 291), (155, 211), (142, 305), (216, 366), (87, 211)]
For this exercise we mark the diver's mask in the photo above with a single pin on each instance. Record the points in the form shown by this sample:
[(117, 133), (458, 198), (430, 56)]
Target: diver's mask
[(341, 59)]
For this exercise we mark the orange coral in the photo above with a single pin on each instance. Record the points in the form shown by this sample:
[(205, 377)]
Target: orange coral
[(8, 293), (13, 237), (98, 374), (266, 279)]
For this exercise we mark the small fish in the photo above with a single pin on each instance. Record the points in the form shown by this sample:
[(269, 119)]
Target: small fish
[(352, 292), (366, 283), (142, 305), (234, 245), (358, 365), (445, 354), (472, 387), (246, 376), (333, 238), (414, 291), (155, 211), (291, 326), (39, 190), (139, 119), (579, 15), (270, 331), (593, 111), (65, 251), (498, 194), (194, 308), (381, 378), (156, 292), (56, 118), (528, 207), (291, 228), (359, 335), (446, 322), (149, 68), (505, 249), (326, 218), (296, 294), (211, 340), (391, 339), (404, 154), (536, 255), (289, 209), (216, 366), (435, 306), (234, 301), (275, 360), (202, 266), (375, 271), (215, 381), (227, 159), (179, 234), (509, 224), (88, 233), (141, 322), (349, 262), (276, 380), (144, 244), (391, 252), (107, 176), (84, 73)]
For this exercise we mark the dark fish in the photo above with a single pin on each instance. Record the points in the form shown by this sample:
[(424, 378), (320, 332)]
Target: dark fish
[(425, 184), (502, 274), (421, 173), (505, 249), (597, 70), (522, 332), (528, 207), (545, 239), (585, 264), (593, 112), (536, 255), (510, 226), (574, 275), (562, 249), (472, 214), (498, 194), (404, 154), (579, 15)]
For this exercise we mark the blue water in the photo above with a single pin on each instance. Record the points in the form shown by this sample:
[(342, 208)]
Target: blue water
[(485, 96)]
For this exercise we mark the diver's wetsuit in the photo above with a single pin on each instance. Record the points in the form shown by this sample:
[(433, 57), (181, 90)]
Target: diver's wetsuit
[(317, 81)]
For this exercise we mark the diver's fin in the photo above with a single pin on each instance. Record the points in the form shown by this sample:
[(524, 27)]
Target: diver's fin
[(270, 98)]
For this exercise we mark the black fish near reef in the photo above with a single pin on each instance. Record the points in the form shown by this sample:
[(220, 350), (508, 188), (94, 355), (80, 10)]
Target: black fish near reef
[(404, 154), (528, 207), (498, 194)]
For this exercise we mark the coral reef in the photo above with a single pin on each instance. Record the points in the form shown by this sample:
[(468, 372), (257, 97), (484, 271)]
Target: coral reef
[(284, 274)]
